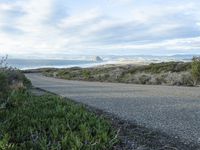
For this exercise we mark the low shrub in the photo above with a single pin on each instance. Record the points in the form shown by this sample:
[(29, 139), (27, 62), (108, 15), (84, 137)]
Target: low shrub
[(166, 73), (167, 67), (4, 86), (86, 74), (144, 79), (196, 70), (10, 79), (186, 79)]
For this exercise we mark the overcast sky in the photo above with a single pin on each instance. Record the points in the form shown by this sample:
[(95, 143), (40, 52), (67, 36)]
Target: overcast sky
[(99, 27)]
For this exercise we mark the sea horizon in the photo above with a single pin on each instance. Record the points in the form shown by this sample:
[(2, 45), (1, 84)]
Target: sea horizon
[(88, 61)]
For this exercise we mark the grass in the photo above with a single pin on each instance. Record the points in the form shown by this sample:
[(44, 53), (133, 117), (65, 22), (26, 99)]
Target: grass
[(49, 122)]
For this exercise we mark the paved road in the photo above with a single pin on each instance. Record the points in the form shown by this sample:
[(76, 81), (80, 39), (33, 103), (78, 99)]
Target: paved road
[(174, 110)]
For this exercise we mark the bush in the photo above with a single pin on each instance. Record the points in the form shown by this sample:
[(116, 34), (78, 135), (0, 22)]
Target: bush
[(4, 86), (86, 74), (144, 79), (159, 79), (196, 70), (186, 79), (10, 79)]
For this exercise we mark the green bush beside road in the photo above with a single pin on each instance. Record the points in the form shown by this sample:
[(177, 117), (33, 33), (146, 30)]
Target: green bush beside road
[(196, 70)]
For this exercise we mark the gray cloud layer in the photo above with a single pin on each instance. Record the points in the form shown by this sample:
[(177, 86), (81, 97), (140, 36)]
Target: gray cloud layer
[(103, 27)]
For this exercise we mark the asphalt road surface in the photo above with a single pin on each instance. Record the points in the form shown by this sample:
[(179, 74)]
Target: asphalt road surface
[(170, 109)]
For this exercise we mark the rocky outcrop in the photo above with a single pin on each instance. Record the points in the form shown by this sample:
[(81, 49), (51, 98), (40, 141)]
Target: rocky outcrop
[(98, 59)]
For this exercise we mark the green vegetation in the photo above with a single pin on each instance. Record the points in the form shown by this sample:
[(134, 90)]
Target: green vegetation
[(166, 67), (49, 122), (168, 73), (196, 70), (3, 86), (10, 79), (46, 122)]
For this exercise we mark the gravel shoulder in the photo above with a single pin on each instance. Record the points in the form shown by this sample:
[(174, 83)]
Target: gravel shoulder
[(173, 111)]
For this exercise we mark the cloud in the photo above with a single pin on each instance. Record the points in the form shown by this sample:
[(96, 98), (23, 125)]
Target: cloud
[(103, 27)]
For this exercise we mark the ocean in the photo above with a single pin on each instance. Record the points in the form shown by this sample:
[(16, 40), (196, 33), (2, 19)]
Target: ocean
[(49, 63), (88, 62)]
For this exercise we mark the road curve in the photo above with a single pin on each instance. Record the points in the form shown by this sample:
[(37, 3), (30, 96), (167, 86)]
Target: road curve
[(170, 109)]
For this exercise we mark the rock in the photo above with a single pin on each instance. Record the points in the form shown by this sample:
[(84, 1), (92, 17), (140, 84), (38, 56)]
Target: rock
[(98, 59)]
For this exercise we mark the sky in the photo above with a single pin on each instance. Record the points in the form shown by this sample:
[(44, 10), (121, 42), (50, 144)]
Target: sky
[(99, 27)]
